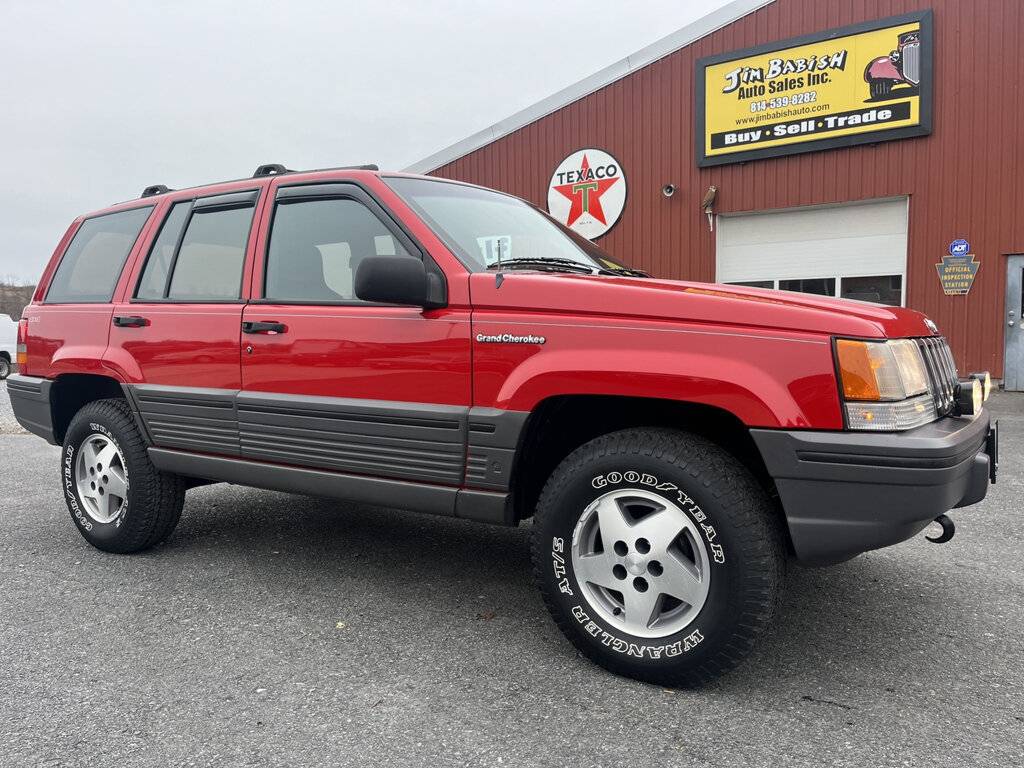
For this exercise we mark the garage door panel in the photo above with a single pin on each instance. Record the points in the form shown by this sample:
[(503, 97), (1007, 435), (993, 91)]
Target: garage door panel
[(840, 241), (866, 255)]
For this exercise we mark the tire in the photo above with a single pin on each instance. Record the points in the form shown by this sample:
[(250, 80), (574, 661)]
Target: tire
[(5, 368), (119, 501), (651, 482), (880, 88)]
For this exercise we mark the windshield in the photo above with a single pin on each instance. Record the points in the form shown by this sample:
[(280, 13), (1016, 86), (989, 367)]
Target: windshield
[(481, 226)]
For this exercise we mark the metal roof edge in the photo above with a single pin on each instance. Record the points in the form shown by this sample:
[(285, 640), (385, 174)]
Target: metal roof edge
[(669, 44)]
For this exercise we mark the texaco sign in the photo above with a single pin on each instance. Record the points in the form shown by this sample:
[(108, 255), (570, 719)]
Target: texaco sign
[(587, 192)]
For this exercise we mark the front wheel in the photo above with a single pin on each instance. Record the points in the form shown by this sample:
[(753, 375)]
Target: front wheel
[(5, 368), (659, 555), (119, 501)]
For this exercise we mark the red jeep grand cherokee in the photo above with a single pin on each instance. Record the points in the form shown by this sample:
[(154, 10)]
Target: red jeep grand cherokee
[(435, 346)]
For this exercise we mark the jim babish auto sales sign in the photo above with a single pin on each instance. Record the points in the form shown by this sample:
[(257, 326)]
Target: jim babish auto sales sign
[(865, 83)]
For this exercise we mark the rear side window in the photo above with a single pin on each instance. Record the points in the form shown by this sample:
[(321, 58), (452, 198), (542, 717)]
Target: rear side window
[(153, 284), (212, 255), (316, 246), (199, 254), (94, 258)]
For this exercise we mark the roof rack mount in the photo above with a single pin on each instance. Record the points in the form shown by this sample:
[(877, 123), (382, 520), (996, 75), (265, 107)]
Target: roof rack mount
[(270, 169), (156, 189)]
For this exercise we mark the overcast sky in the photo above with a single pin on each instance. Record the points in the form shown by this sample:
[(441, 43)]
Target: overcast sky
[(101, 99)]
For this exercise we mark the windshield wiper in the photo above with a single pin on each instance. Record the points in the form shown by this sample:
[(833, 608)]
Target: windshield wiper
[(551, 263), (626, 271)]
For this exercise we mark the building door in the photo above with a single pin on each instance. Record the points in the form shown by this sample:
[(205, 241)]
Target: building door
[(1013, 367), (852, 251)]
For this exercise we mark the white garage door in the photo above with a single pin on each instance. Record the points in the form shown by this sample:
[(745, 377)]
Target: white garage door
[(855, 251)]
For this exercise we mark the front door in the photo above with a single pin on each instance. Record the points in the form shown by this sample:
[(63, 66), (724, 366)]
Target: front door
[(1013, 360), (332, 382)]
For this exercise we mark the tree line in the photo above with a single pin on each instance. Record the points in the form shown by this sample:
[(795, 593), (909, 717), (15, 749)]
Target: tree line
[(14, 298)]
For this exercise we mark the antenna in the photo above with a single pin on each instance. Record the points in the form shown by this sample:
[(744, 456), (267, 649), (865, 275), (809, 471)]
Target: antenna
[(499, 278)]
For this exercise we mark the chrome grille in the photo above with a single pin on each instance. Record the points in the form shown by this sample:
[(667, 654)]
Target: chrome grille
[(911, 55), (942, 374)]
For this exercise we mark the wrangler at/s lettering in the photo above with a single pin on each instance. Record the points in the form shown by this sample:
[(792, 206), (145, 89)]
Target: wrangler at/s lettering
[(359, 336)]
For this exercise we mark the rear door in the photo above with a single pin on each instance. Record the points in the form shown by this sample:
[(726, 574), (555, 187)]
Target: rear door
[(175, 336), (333, 382)]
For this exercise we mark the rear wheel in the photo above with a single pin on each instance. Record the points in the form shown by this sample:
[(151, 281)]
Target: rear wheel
[(5, 367), (119, 501), (658, 555)]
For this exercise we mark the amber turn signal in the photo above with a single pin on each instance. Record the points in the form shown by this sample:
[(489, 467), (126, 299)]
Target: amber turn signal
[(857, 370)]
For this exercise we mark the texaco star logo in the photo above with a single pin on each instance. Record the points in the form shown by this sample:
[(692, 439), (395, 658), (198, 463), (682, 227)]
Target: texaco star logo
[(587, 192)]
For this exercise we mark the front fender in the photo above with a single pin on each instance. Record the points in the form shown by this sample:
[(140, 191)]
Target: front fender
[(766, 381)]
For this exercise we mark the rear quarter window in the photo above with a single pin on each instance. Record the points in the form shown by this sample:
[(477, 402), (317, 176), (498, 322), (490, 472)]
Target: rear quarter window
[(92, 263)]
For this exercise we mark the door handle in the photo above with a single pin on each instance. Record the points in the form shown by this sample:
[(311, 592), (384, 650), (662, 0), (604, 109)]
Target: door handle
[(263, 326), (130, 321)]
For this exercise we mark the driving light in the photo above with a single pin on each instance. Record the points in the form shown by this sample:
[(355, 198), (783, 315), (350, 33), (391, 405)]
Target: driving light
[(986, 383), (970, 395)]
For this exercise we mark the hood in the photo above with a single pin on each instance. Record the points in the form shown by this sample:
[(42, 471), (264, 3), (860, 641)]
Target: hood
[(678, 300)]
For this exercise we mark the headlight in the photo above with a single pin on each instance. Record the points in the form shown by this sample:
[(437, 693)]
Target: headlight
[(884, 384)]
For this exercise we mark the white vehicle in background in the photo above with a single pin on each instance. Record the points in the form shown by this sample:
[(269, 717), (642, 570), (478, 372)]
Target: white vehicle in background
[(8, 340)]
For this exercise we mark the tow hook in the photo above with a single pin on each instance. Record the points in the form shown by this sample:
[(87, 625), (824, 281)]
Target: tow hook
[(948, 529)]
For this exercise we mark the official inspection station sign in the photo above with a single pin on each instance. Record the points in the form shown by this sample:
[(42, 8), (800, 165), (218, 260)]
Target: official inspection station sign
[(958, 270), (855, 85)]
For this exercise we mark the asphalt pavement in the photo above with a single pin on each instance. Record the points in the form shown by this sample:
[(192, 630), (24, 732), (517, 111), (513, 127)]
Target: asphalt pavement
[(281, 630)]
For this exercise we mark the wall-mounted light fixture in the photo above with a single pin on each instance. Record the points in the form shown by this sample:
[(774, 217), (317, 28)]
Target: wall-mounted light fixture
[(668, 190)]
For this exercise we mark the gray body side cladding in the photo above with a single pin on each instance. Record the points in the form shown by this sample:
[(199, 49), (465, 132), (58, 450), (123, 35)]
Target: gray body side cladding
[(441, 459), (482, 506), (30, 401)]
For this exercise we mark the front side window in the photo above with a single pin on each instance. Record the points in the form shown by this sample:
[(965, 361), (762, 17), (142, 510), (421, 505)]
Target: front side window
[(482, 227), (209, 263), (94, 258), (316, 246)]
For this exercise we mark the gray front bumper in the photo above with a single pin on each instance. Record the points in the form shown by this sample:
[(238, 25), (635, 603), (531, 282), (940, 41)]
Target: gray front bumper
[(844, 493)]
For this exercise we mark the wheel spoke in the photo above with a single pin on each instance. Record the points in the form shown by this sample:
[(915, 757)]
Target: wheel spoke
[(117, 485), (106, 455), (88, 458), (106, 502), (681, 580), (641, 607), (596, 569), (660, 528), (612, 522)]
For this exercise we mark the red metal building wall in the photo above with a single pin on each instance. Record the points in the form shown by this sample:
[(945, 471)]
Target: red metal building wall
[(963, 180)]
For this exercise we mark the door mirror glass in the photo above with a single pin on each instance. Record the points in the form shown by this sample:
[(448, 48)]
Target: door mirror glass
[(394, 280)]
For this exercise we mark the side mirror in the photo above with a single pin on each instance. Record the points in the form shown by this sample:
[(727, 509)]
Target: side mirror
[(395, 280)]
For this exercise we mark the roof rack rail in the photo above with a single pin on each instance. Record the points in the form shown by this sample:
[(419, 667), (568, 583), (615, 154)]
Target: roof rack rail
[(156, 189), (270, 169), (367, 167)]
